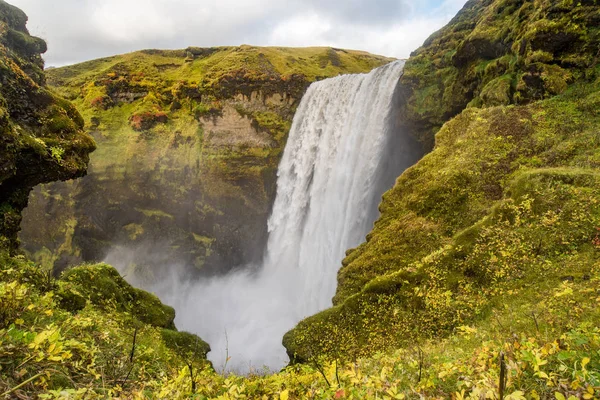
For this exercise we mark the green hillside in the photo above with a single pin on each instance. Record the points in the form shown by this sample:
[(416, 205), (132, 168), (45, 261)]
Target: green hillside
[(505, 200)]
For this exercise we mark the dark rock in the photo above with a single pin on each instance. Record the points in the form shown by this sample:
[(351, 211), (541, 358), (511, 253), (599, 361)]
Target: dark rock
[(41, 135)]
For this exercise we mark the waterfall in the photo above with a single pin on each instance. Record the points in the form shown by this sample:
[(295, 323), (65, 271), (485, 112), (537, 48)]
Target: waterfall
[(327, 182), (335, 167)]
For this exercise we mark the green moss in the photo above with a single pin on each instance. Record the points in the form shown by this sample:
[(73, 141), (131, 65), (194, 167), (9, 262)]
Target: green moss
[(185, 343), (42, 134), (148, 308), (544, 48), (497, 92), (155, 213), (104, 287), (508, 197)]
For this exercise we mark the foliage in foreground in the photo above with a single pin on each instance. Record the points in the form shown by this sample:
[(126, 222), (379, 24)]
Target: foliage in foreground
[(548, 333), (113, 339)]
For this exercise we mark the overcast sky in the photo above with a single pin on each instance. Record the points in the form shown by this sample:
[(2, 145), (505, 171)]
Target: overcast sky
[(79, 30)]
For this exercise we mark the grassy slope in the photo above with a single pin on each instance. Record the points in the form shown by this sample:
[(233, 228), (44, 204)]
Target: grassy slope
[(507, 198), (198, 83), (217, 62), (547, 330)]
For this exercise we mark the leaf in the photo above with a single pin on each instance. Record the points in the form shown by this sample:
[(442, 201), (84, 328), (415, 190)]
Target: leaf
[(518, 395), (284, 395), (542, 374), (559, 396), (584, 362)]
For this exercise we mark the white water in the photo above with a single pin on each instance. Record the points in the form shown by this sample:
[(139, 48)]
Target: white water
[(328, 189)]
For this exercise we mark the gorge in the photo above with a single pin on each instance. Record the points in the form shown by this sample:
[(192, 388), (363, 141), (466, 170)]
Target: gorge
[(427, 228), (342, 124)]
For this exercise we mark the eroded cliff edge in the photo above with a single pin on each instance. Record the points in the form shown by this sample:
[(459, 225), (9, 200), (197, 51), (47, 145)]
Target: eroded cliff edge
[(41, 135)]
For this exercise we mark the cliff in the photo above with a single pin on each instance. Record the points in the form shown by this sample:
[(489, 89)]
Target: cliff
[(188, 147), (497, 53), (41, 135), (506, 200), (52, 330)]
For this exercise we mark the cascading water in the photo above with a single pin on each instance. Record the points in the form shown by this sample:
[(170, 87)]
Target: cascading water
[(330, 181)]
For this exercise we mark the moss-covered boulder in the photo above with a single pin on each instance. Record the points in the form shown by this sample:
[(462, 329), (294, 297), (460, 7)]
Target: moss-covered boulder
[(41, 135), (184, 343), (104, 287)]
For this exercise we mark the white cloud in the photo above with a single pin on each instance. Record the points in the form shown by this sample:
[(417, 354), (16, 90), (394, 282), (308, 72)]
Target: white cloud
[(78, 30), (129, 21)]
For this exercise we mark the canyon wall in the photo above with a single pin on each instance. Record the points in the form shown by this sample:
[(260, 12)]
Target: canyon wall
[(188, 147)]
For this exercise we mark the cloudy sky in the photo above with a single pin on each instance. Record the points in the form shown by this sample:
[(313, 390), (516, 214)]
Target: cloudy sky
[(78, 30)]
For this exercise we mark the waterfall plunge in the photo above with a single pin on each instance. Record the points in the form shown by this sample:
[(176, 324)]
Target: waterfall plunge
[(340, 157)]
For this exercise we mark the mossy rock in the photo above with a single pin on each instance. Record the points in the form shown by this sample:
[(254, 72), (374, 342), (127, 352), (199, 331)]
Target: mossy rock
[(185, 344), (544, 48), (102, 285), (42, 136), (149, 309), (497, 92)]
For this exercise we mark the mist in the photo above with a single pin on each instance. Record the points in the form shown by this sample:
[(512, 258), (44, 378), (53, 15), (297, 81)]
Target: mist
[(344, 151)]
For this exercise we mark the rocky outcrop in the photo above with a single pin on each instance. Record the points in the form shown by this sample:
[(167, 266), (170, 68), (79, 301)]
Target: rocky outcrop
[(496, 53), (41, 135), (188, 147)]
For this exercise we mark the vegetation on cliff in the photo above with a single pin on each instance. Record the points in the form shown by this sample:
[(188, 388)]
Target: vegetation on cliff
[(188, 146), (507, 200), (499, 52), (41, 135)]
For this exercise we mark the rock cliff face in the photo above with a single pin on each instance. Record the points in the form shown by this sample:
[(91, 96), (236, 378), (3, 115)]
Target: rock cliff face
[(42, 140), (188, 147), (41, 135), (498, 205), (498, 53)]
